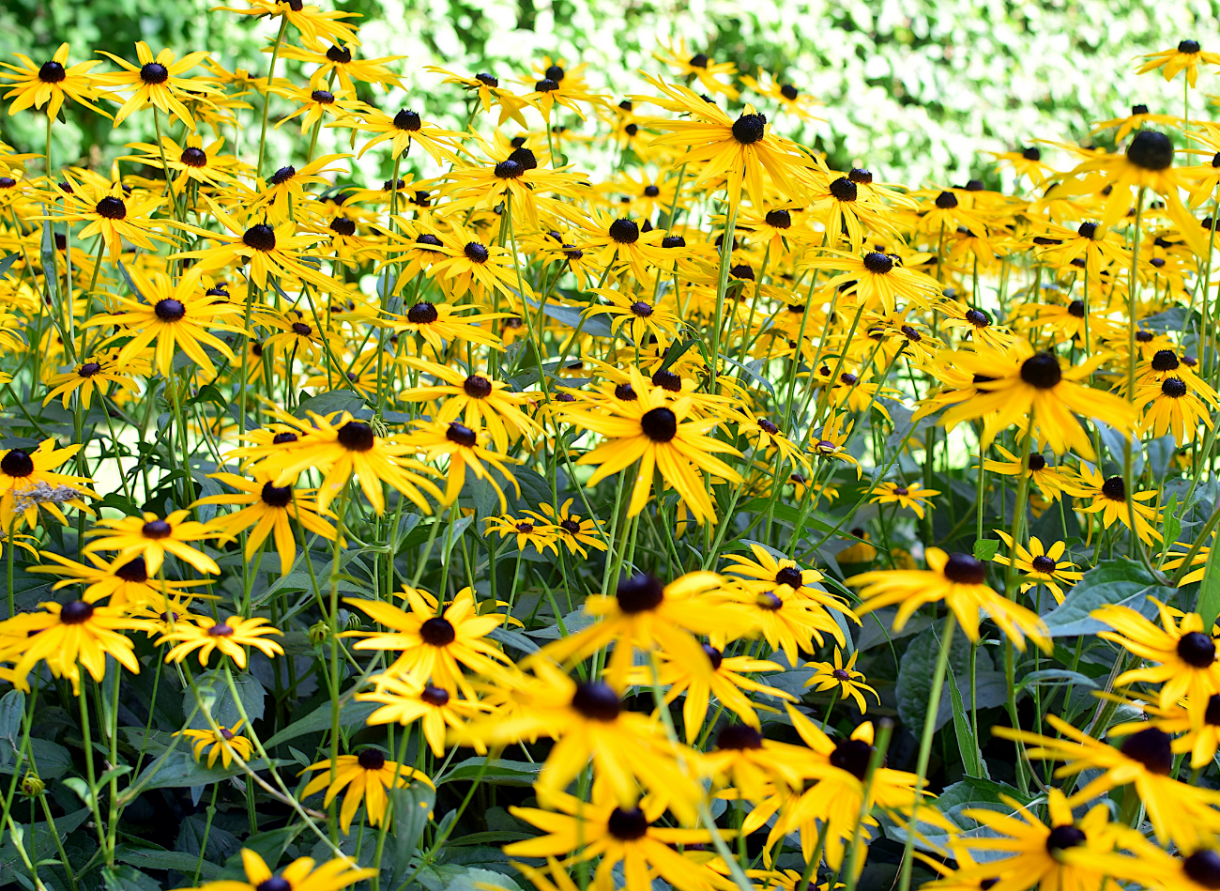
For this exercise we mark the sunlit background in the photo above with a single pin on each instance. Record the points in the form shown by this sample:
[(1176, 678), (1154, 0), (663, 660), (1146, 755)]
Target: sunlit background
[(919, 91)]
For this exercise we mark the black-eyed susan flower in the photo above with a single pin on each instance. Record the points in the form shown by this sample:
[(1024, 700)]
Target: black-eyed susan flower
[(362, 778), (436, 709), (698, 66), (25, 474), (1179, 811), (729, 683), (462, 449), (1020, 382), (480, 402), (341, 447), (1183, 652), (737, 150), (92, 376), (662, 436), (68, 636), (912, 496), (645, 615), (152, 537), (1187, 56), (1170, 407), (109, 212), (51, 84), (229, 637), (439, 322), (125, 581), (960, 581), (572, 530), (175, 316), (841, 677), (1040, 565), (634, 839), (267, 511), (158, 81), (313, 25), (433, 645), (1109, 497), (589, 723), (543, 536), (300, 875), (225, 744), (878, 280), (1060, 853)]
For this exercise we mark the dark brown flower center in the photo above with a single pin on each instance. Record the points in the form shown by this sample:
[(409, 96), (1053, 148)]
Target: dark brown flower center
[(1041, 371), (156, 529), (169, 310), (276, 496), (461, 434), (639, 593), (1151, 748), (408, 120), (437, 632), (422, 314), (154, 73), (111, 208), (76, 612), (356, 436), (260, 238), (1197, 650), (963, 569), (852, 755), (659, 424), (750, 128), (17, 463), (371, 759), (739, 738), (52, 73), (596, 701), (627, 825), (1150, 150), (1064, 837), (1042, 563)]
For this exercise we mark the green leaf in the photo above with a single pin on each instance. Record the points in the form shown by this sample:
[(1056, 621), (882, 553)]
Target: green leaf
[(330, 401), (985, 549), (915, 677), (7, 263), (180, 770), (596, 324), (350, 714), (497, 772), (1209, 589), (12, 712), (1121, 580), (215, 693), (151, 857), (128, 878), (412, 810), (1048, 676), (967, 745)]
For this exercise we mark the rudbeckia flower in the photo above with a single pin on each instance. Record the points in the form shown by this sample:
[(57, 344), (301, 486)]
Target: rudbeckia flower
[(1187, 56), (1179, 811), (311, 22), (299, 875), (437, 709), (905, 495), (661, 436), (268, 511), (157, 81), (631, 838), (477, 400), (51, 83), (152, 537), (841, 677), (366, 778), (229, 637), (67, 636), (961, 582), (1020, 383), (1184, 653), (1040, 565), (226, 744)]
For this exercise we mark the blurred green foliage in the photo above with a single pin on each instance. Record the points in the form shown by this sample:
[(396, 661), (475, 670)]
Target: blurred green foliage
[(918, 90)]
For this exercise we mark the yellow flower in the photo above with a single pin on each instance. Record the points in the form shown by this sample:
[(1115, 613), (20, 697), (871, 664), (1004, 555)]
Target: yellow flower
[(843, 677), (229, 636), (366, 777), (225, 745), (152, 537), (157, 81)]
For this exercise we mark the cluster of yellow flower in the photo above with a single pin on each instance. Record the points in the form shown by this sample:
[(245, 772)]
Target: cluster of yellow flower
[(703, 363)]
